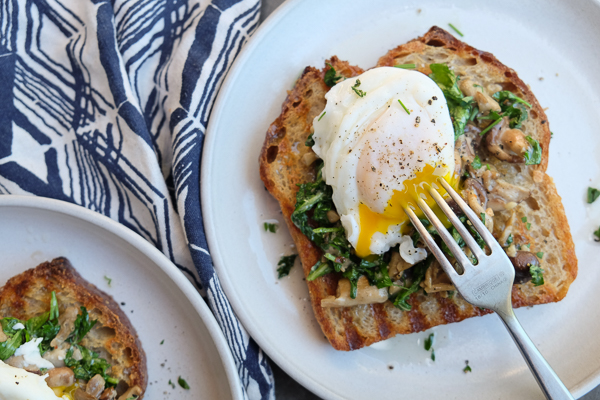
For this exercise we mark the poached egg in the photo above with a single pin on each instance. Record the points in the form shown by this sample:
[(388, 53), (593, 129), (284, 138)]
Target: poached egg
[(385, 138), (18, 384)]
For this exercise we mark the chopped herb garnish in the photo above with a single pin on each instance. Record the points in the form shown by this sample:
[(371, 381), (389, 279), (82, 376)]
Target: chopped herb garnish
[(487, 166), (476, 163), (483, 218), (322, 115), (528, 226), (540, 255), (597, 234), (359, 92), (310, 142), (534, 155), (162, 341), (269, 227), (524, 219), (593, 194), (456, 30), (183, 383), (108, 280), (403, 106), (406, 66), (467, 369), (331, 77), (429, 342), (537, 275), (509, 240), (432, 355), (53, 307), (89, 365), (172, 384), (285, 265), (450, 294), (504, 95)]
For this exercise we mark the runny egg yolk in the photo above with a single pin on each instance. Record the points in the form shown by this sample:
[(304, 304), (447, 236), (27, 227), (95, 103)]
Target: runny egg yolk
[(418, 187)]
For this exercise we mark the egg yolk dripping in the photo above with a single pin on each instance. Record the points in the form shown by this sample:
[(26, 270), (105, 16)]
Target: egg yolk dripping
[(393, 214)]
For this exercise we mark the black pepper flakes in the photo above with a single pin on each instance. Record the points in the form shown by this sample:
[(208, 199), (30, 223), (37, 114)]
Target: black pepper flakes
[(433, 121), (373, 169), (434, 97)]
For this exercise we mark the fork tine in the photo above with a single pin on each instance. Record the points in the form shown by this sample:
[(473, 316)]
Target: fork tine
[(475, 221), (455, 249), (466, 235), (435, 250)]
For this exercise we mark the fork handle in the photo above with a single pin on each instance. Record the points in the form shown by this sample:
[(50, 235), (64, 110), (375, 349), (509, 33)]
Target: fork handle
[(545, 376)]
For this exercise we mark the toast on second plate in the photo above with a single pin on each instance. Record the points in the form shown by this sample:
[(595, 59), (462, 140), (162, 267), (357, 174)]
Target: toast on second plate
[(520, 201), (112, 337)]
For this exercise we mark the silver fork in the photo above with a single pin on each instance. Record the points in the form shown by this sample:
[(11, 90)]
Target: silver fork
[(487, 284)]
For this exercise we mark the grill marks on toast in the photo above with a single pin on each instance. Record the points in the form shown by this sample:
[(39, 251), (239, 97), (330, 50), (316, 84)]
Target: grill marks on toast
[(113, 337), (281, 169)]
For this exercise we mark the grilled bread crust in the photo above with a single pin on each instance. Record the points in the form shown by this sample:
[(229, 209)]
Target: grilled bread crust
[(113, 337), (282, 168)]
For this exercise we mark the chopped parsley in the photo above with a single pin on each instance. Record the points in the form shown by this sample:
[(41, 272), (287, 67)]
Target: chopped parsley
[(467, 368), (537, 275), (534, 155), (108, 280), (331, 77), (592, 195), (429, 342), (162, 341), (359, 92), (476, 163), (310, 142), (456, 30), (322, 115), (512, 107), (524, 219), (403, 106), (540, 255), (406, 66), (269, 227), (509, 240), (597, 235), (483, 218), (172, 384), (432, 355), (285, 265), (183, 383)]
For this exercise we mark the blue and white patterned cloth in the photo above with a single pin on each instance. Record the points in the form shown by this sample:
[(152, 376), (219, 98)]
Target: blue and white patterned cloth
[(105, 104)]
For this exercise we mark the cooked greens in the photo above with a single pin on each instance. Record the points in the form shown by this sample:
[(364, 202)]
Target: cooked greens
[(89, 365), (460, 107), (331, 77)]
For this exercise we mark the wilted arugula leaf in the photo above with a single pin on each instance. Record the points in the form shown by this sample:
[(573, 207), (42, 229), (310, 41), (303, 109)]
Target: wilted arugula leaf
[(89, 365), (82, 326), (285, 265)]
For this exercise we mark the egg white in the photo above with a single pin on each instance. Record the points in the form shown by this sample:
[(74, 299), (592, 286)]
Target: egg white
[(371, 145)]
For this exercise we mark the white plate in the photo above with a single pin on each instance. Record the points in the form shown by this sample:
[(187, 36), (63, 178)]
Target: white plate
[(160, 302), (552, 40)]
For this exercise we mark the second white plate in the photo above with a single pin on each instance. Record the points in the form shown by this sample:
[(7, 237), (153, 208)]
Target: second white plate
[(178, 332)]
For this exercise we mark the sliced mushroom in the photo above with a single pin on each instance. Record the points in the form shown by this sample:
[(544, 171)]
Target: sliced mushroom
[(63, 376), (80, 394), (57, 356), (133, 393), (67, 324), (397, 265), (507, 144), (365, 294), (19, 362), (333, 216), (484, 101), (95, 386), (508, 228), (502, 195), (109, 394), (464, 154), (522, 262)]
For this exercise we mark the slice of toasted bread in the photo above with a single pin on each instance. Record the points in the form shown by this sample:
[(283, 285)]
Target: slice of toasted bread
[(282, 167), (113, 337)]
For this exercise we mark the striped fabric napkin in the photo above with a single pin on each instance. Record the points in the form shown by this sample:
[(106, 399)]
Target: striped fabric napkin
[(105, 104)]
